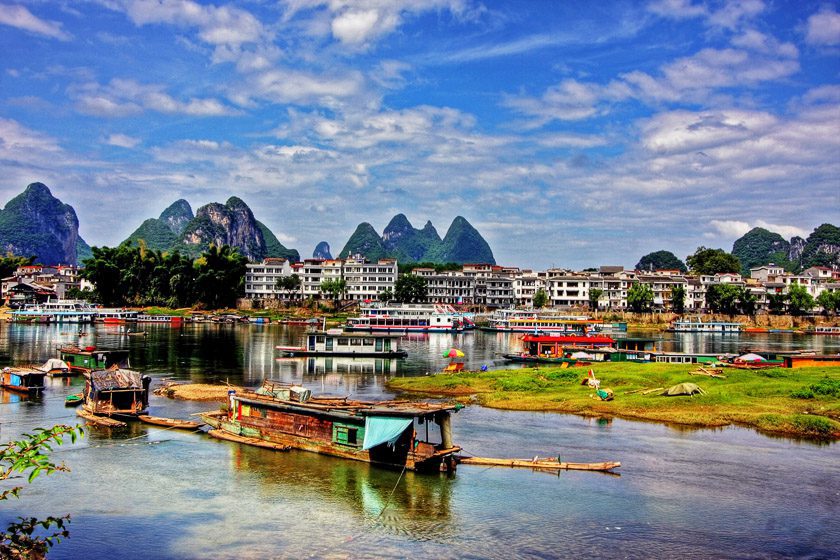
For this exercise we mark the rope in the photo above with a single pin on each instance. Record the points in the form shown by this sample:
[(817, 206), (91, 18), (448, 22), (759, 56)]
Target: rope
[(388, 501)]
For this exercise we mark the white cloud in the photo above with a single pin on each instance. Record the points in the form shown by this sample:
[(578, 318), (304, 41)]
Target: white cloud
[(21, 18), (824, 29), (734, 229), (122, 97), (122, 141), (677, 9)]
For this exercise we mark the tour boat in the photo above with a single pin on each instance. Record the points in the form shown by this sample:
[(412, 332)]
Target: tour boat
[(531, 320), (408, 435), (709, 327), (821, 329), (55, 311), (409, 317), (163, 319), (337, 342)]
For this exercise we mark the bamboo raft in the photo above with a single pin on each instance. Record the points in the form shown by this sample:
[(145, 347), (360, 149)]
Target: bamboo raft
[(539, 463), (100, 420), (221, 434), (170, 422)]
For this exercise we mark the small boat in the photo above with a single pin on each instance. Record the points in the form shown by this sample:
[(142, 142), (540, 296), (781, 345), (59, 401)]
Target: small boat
[(256, 442), (89, 358), (176, 423), (26, 381), (100, 420), (538, 463), (336, 342), (74, 400), (136, 333), (55, 368)]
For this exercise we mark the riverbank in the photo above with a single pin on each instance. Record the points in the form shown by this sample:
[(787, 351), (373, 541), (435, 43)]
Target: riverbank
[(803, 402)]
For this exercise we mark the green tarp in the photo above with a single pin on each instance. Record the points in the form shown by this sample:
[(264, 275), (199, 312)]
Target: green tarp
[(384, 429)]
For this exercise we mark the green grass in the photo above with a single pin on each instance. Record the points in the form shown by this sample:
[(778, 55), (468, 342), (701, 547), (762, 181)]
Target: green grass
[(770, 400)]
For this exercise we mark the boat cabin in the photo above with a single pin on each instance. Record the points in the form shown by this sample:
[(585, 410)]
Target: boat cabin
[(89, 358), (116, 391), (336, 342), (25, 381)]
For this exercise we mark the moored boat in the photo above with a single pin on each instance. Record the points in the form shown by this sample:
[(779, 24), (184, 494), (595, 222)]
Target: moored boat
[(116, 392), (55, 311), (26, 381), (336, 342), (532, 320), (401, 434), (697, 325), (176, 423), (413, 317), (89, 358)]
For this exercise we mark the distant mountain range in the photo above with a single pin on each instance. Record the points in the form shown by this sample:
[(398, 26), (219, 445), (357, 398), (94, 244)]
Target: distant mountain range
[(400, 240), (760, 247)]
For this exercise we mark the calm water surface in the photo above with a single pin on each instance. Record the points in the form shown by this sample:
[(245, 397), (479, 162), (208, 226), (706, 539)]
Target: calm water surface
[(150, 493)]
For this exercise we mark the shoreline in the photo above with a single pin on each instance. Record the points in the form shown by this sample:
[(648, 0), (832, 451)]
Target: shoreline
[(758, 399)]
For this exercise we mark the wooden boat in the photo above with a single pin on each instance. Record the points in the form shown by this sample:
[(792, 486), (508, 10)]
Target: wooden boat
[(222, 434), (74, 400), (26, 381), (56, 368), (397, 434), (176, 423), (116, 391), (336, 342), (100, 420), (555, 348), (538, 463), (89, 358)]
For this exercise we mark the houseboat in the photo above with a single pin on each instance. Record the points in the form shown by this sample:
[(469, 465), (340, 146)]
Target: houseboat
[(55, 311), (26, 381), (708, 327), (337, 342), (410, 317), (557, 348), (89, 358), (530, 320), (174, 320), (116, 392), (415, 436)]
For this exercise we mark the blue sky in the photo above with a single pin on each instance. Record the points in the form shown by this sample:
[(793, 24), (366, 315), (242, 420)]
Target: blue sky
[(570, 134)]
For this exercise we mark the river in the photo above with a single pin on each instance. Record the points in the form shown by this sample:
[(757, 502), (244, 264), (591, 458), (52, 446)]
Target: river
[(150, 493)]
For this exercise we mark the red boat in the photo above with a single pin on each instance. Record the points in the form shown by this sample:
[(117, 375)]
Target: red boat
[(554, 344)]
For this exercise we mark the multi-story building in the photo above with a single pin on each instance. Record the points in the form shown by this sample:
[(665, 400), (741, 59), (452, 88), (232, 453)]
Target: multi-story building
[(453, 288), (366, 280), (261, 279)]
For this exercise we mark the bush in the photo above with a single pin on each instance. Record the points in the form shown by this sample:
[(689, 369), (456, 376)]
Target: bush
[(827, 387), (803, 393), (815, 425)]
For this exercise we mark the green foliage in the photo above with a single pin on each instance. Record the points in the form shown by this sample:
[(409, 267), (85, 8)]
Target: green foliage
[(799, 300), (407, 267), (385, 295), (713, 261), (273, 247), (29, 457), (760, 247), (155, 234), (334, 287), (727, 298), (829, 301), (661, 260), (540, 298), (640, 297), (822, 248), (776, 303), (364, 241), (410, 288), (219, 277), (678, 298), (594, 295), (289, 284)]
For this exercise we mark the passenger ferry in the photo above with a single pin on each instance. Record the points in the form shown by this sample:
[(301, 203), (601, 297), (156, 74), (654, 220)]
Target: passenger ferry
[(114, 316), (530, 320), (336, 342), (826, 330), (710, 327), (409, 317), (55, 311), (162, 319)]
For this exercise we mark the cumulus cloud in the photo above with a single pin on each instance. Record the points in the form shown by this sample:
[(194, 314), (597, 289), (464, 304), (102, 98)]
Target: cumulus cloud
[(734, 229), (123, 97), (21, 18), (122, 141), (824, 29)]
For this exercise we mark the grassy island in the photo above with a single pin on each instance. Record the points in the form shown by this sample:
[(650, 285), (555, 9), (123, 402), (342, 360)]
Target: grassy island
[(803, 402)]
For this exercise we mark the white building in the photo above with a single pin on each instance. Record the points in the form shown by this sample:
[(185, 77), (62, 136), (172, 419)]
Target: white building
[(261, 278), (366, 280)]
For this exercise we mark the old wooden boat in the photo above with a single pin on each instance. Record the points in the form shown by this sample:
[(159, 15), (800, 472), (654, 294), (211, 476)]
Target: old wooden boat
[(337, 342), (100, 420), (116, 392), (74, 400), (55, 368), (176, 423), (26, 381), (539, 463), (401, 434), (257, 442), (89, 358)]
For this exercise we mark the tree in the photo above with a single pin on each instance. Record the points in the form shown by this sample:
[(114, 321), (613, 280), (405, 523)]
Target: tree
[(334, 287), (220, 276), (640, 297), (723, 298), (10, 263), (540, 299), (799, 300), (829, 301), (713, 261), (776, 303), (594, 295), (288, 284), (661, 260), (410, 288), (678, 298), (747, 300), (386, 295), (21, 539)]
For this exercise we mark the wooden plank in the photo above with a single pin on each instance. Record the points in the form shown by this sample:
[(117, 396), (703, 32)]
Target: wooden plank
[(100, 420)]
